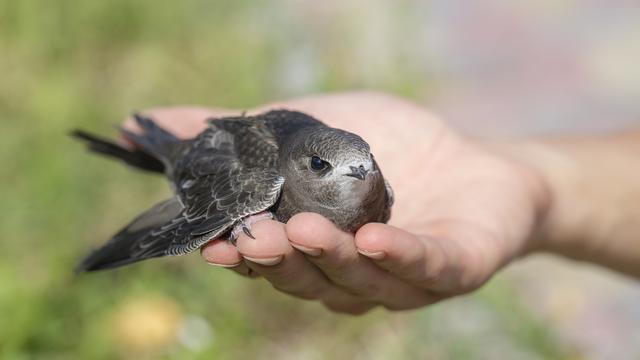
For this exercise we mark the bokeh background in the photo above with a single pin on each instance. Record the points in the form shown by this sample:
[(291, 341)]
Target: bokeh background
[(492, 69)]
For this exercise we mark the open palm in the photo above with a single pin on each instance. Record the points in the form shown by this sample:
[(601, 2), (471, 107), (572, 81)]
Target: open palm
[(461, 212)]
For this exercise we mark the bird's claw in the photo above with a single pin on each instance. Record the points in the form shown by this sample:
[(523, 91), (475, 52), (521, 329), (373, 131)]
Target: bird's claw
[(244, 226), (247, 231)]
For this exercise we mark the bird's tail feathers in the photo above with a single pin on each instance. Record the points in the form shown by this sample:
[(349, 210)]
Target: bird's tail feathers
[(153, 139), (152, 150), (134, 157)]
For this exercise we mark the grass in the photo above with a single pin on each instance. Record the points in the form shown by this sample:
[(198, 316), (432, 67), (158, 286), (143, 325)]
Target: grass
[(68, 64)]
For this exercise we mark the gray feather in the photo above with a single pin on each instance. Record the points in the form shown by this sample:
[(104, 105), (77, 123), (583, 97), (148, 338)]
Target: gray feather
[(237, 168)]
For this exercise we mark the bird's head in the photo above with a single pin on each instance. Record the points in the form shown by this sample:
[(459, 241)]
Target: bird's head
[(331, 166)]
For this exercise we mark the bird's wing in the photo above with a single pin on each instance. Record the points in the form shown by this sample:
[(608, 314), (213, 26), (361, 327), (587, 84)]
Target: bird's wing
[(232, 174), (389, 196), (215, 202), (135, 241), (214, 190)]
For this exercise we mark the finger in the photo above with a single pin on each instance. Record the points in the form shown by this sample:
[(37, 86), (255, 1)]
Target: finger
[(429, 263), (244, 270), (222, 253), (401, 253), (271, 255), (334, 253)]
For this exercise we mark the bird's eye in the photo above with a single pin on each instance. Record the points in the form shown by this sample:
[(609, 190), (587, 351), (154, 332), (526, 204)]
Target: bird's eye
[(318, 164)]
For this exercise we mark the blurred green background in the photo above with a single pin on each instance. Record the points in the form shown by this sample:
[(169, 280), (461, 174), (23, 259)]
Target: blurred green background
[(88, 64)]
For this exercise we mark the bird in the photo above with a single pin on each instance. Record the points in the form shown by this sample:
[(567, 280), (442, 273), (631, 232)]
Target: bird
[(240, 170)]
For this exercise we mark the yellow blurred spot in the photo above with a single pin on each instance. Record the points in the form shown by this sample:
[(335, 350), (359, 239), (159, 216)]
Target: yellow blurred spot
[(146, 324), (566, 305)]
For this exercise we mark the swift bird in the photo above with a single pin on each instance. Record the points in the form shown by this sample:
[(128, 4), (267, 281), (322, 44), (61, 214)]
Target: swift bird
[(240, 170)]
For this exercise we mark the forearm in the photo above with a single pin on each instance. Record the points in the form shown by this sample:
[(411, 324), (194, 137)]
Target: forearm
[(594, 192)]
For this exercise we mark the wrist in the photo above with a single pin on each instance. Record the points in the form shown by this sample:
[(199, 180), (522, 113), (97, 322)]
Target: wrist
[(536, 198), (557, 227), (528, 158), (565, 222), (594, 198)]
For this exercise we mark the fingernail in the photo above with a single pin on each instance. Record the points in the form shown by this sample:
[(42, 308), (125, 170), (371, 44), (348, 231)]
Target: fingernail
[(270, 261), (223, 265), (307, 250), (375, 255)]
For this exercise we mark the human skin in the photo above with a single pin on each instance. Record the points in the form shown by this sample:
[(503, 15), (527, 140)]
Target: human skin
[(463, 209)]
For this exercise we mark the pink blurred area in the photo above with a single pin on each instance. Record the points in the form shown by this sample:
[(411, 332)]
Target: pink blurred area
[(510, 67), (493, 67), (530, 67), (503, 68)]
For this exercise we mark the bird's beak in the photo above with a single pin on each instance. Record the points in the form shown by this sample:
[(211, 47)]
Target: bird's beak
[(358, 172)]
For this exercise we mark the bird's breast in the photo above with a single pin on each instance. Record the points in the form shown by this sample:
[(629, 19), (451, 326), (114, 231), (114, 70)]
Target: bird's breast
[(348, 204)]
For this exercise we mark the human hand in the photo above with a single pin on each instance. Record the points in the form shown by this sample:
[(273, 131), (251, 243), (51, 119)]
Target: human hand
[(461, 212)]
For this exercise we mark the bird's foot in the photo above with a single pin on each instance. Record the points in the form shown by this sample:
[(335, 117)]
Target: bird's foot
[(244, 226)]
